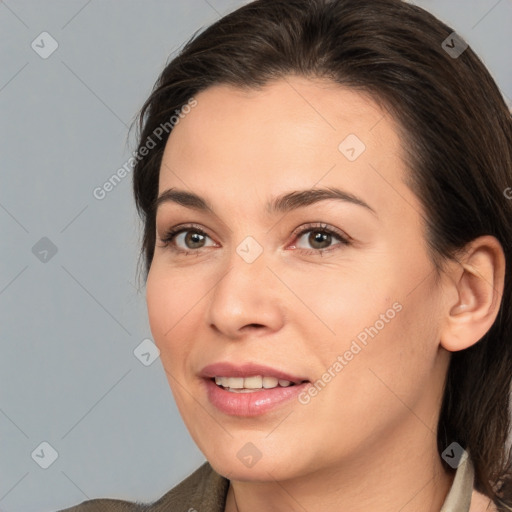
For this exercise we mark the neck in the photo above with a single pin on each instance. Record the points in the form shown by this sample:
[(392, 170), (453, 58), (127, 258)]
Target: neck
[(403, 477)]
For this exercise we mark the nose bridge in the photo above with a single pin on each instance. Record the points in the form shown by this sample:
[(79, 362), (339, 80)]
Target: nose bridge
[(245, 273), (244, 294)]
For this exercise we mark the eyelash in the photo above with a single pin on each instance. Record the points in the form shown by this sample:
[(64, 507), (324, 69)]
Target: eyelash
[(172, 233)]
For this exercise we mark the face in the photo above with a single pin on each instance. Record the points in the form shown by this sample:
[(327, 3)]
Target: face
[(336, 293)]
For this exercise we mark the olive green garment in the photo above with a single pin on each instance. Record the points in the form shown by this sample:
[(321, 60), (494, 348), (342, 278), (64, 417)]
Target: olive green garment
[(205, 491)]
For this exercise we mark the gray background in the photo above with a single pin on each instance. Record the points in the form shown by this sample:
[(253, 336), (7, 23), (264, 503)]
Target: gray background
[(70, 321)]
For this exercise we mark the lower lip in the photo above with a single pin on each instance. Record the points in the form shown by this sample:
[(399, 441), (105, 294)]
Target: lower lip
[(253, 403)]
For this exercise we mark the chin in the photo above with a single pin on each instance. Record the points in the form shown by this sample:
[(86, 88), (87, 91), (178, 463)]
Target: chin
[(260, 472), (241, 460)]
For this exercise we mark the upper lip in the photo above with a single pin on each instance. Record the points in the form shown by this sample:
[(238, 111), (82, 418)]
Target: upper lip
[(226, 369)]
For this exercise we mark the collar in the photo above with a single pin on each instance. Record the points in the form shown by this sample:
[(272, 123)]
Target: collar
[(458, 498)]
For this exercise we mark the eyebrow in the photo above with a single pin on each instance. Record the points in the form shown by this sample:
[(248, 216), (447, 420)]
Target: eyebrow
[(280, 204)]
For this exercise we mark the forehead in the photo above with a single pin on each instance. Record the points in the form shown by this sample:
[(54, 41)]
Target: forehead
[(293, 133)]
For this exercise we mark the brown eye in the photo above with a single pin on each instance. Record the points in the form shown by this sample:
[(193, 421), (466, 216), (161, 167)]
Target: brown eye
[(319, 239), (194, 240), (186, 239)]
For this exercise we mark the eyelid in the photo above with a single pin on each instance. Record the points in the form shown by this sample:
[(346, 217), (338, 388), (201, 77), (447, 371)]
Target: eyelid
[(322, 226), (174, 231)]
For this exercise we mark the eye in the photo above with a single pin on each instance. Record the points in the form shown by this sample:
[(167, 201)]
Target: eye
[(185, 239), (192, 239), (320, 238)]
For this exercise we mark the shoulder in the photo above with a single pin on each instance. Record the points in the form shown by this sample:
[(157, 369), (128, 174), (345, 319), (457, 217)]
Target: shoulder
[(204, 489), (105, 505)]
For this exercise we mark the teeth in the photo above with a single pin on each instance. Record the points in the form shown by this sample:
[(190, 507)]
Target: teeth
[(269, 382), (253, 382)]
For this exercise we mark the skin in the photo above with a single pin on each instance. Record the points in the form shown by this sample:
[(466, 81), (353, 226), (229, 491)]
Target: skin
[(297, 311)]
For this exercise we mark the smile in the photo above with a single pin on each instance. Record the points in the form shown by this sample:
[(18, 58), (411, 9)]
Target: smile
[(251, 384)]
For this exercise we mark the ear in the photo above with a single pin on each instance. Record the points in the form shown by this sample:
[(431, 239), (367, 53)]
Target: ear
[(476, 288)]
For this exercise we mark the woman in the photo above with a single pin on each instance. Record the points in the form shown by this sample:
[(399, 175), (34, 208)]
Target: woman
[(326, 239)]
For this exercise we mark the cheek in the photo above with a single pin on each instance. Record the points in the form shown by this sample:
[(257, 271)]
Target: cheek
[(170, 302), (346, 299), (172, 318), (376, 320), (395, 354)]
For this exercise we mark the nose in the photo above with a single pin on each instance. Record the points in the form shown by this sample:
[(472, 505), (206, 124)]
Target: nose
[(247, 299)]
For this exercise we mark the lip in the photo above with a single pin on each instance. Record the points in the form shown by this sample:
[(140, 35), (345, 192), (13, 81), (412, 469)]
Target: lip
[(253, 403)]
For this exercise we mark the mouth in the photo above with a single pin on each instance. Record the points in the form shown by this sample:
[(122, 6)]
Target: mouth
[(250, 389)]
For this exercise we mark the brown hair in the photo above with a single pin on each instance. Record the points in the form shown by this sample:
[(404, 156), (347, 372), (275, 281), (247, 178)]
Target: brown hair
[(457, 135)]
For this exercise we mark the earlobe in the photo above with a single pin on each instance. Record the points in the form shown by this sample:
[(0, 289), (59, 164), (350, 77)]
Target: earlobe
[(478, 279)]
